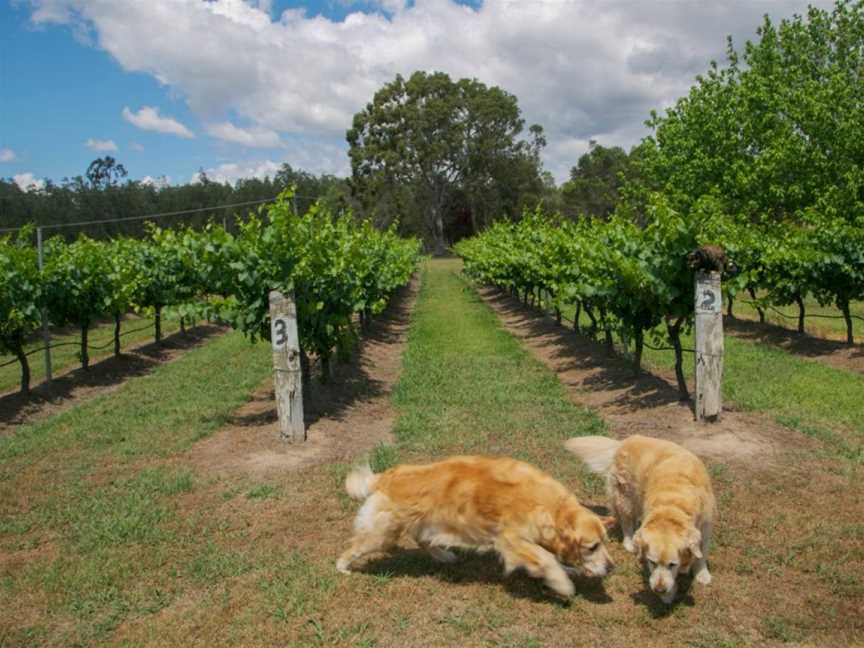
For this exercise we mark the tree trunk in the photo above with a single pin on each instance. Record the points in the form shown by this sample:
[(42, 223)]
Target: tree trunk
[(610, 343), (637, 353), (18, 349), (576, 316), (758, 308), (158, 323), (592, 330), (800, 303), (304, 368), (558, 316), (440, 246), (85, 357), (729, 312), (117, 335), (325, 369), (183, 325), (847, 316), (675, 337)]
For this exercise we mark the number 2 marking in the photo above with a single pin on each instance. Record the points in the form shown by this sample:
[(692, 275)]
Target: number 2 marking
[(709, 299)]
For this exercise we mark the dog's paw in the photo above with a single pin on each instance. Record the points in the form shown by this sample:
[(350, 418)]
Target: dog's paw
[(342, 566), (628, 545), (703, 577), (571, 571), (563, 587), (442, 555)]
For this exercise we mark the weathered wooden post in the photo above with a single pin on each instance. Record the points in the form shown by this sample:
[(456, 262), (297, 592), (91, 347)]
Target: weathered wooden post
[(46, 334), (709, 346), (287, 378)]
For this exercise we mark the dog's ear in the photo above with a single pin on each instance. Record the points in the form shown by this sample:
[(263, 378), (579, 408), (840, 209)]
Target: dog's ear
[(639, 545), (694, 542)]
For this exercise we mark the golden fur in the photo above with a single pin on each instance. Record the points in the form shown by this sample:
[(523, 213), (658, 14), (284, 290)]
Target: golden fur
[(480, 503), (667, 488)]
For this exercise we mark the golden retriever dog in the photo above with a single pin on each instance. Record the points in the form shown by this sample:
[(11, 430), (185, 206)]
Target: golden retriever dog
[(666, 488), (484, 504)]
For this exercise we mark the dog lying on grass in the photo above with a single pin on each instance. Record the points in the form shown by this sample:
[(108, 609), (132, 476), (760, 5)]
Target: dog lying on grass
[(668, 489), (480, 503)]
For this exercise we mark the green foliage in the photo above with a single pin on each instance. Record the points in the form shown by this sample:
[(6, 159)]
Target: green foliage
[(595, 183), (20, 296), (439, 146), (335, 267)]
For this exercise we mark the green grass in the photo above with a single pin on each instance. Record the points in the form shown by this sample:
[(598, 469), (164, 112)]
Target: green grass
[(86, 486), (68, 357), (469, 387)]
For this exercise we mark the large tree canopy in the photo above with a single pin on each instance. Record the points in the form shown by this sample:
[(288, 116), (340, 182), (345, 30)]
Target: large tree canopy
[(433, 147), (777, 136), (595, 182)]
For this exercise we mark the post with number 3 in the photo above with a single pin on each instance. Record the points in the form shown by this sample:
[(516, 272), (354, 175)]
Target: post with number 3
[(287, 380), (708, 332)]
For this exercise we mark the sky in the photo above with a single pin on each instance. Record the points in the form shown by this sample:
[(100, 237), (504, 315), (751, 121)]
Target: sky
[(238, 87)]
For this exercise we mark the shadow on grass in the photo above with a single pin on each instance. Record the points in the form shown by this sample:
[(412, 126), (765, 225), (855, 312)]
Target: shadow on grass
[(657, 608), (802, 344), (480, 568), (572, 351), (16, 409), (350, 382)]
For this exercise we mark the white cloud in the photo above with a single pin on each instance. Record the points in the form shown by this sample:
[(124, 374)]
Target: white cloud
[(135, 146), (255, 137), (148, 118), (28, 182), (160, 182), (231, 172), (584, 69), (100, 145), (6, 155)]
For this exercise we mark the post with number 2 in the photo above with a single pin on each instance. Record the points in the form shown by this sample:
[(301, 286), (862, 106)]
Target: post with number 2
[(708, 332), (287, 380)]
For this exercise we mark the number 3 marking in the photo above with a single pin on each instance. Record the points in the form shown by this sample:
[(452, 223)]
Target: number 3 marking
[(281, 333)]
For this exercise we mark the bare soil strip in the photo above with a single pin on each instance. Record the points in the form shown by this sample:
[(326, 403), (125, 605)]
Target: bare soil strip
[(344, 418)]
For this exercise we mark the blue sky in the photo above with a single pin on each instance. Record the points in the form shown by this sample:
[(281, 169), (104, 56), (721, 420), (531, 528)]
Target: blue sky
[(237, 87)]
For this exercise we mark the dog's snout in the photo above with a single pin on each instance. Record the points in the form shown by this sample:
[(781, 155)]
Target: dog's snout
[(660, 588)]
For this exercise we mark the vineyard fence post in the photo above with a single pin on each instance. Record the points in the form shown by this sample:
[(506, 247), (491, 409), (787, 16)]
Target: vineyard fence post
[(46, 334), (708, 332), (287, 374)]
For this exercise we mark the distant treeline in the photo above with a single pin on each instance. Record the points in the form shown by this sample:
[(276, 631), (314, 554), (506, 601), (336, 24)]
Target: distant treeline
[(103, 194)]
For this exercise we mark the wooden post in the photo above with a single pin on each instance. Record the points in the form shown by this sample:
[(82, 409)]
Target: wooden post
[(287, 379), (709, 346), (46, 334)]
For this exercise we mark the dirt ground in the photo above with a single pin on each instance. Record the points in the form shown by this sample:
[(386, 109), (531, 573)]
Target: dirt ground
[(73, 386), (344, 418)]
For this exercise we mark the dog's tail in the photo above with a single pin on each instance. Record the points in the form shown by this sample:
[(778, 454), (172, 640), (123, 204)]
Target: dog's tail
[(597, 452), (360, 482)]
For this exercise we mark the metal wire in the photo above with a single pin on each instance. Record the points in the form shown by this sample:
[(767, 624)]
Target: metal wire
[(77, 344), (795, 317), (152, 216)]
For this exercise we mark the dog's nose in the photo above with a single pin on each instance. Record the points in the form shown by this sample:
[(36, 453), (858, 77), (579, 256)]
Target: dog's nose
[(660, 589)]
